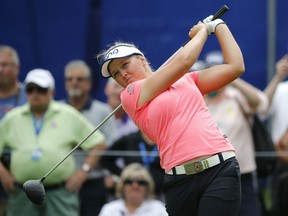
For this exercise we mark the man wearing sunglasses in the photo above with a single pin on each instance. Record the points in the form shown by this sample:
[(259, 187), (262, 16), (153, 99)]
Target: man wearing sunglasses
[(40, 133)]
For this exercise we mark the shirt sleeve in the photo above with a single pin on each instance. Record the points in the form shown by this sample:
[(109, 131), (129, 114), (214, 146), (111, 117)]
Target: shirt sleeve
[(194, 76), (129, 98)]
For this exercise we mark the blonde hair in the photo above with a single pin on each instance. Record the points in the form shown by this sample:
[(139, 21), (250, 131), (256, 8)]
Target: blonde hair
[(135, 170)]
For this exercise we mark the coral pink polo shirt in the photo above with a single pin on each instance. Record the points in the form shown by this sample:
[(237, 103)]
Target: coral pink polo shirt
[(178, 121)]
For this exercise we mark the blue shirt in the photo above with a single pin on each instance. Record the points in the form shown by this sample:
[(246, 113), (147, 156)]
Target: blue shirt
[(7, 104)]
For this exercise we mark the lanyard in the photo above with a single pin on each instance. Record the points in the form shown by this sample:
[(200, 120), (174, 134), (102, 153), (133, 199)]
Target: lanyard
[(38, 125), (148, 158)]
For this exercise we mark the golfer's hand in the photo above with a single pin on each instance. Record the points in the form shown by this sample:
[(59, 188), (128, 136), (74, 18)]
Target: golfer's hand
[(75, 182), (7, 180), (211, 25), (197, 28)]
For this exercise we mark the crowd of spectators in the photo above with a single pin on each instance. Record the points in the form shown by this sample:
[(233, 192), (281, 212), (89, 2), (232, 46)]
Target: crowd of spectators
[(118, 172)]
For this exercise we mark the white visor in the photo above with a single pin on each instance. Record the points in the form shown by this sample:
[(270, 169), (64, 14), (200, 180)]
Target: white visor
[(120, 51)]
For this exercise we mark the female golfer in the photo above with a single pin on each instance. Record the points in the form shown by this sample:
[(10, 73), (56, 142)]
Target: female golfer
[(202, 175)]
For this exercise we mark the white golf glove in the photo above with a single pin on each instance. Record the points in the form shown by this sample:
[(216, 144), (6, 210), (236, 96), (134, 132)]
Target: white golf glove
[(211, 25), (208, 19)]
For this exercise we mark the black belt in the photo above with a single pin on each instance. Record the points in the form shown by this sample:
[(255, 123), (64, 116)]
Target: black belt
[(47, 187)]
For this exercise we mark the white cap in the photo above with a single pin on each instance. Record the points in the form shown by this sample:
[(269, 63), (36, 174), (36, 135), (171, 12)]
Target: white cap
[(40, 77), (214, 58), (117, 52)]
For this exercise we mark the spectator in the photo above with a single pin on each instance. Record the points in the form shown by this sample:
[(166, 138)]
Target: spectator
[(135, 191), (40, 133), (12, 94), (277, 92), (78, 83), (231, 107), (124, 122), (142, 150)]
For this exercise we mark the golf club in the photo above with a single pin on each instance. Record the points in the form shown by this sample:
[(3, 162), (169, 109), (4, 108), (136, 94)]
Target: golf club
[(35, 190)]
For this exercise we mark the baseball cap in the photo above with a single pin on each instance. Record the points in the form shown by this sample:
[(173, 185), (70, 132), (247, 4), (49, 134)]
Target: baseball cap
[(120, 51), (40, 77), (214, 58)]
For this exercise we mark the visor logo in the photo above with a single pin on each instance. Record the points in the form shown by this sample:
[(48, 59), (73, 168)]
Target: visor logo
[(113, 52)]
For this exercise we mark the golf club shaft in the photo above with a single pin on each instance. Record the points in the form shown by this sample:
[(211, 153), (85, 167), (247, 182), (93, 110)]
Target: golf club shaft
[(217, 15), (80, 143)]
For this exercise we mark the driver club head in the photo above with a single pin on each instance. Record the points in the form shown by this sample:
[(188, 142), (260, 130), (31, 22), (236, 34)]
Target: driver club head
[(35, 191)]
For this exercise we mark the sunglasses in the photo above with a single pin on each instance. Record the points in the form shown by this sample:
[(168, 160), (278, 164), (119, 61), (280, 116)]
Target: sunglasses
[(136, 181), (31, 89)]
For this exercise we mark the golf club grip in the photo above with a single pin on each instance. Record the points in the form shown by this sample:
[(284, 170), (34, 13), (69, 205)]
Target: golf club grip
[(217, 15), (220, 12)]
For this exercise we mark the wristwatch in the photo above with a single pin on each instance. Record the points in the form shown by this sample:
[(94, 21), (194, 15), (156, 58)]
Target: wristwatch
[(86, 167)]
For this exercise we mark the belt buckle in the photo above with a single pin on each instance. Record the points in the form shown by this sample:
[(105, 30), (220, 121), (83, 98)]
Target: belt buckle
[(193, 168)]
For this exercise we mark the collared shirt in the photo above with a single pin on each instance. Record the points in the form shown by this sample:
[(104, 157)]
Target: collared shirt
[(34, 155), (177, 120)]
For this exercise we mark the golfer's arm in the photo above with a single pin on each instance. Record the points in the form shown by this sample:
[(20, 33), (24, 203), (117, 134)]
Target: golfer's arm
[(216, 77)]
